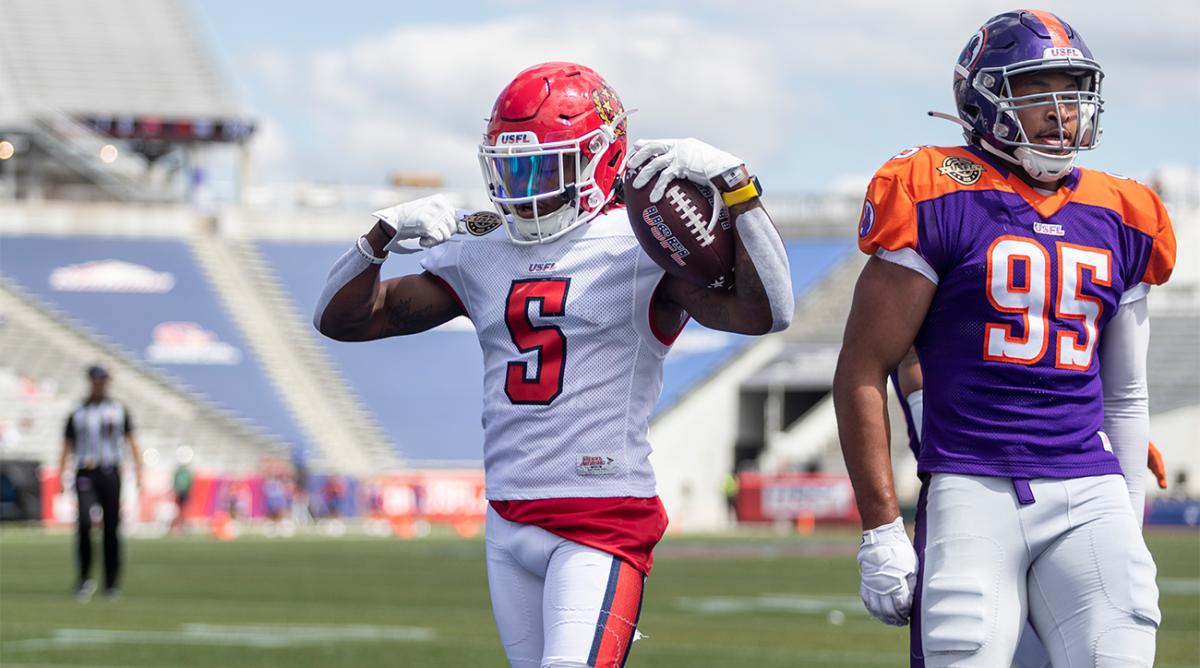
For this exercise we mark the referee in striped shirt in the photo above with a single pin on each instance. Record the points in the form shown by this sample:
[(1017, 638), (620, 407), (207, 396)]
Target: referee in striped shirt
[(95, 435)]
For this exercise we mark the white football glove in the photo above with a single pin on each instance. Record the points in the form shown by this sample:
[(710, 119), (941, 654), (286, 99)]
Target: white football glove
[(429, 219), (691, 159), (887, 563)]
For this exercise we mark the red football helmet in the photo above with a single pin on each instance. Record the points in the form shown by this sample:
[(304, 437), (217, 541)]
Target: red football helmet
[(554, 147)]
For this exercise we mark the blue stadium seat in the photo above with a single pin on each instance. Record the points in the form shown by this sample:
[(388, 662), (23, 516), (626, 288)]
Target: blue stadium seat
[(425, 390), (233, 377)]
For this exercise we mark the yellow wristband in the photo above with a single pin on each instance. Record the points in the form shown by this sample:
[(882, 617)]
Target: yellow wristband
[(743, 194)]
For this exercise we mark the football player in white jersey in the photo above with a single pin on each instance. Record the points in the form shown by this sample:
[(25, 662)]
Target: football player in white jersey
[(574, 320)]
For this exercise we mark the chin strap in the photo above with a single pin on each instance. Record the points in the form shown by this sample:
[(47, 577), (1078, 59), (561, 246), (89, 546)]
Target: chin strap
[(1039, 166)]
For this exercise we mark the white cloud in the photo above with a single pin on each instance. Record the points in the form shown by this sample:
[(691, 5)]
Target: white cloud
[(853, 184), (272, 152), (417, 98), (804, 91), (1151, 48)]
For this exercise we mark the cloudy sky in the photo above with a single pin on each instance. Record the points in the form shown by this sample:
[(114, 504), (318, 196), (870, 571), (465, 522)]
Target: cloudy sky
[(813, 95)]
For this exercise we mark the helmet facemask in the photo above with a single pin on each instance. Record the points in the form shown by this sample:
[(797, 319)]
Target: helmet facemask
[(544, 190), (1010, 139)]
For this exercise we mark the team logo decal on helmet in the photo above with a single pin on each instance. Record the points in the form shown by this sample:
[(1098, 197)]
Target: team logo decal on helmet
[(1014, 44), (608, 107), (962, 170)]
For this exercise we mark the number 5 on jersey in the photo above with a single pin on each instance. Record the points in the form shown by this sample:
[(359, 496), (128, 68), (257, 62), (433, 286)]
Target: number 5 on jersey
[(546, 341), (1018, 281)]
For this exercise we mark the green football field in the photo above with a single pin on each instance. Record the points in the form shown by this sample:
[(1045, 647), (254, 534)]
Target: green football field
[(750, 600)]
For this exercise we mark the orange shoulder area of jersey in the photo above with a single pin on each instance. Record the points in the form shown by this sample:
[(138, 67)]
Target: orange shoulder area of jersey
[(1140, 208), (889, 214)]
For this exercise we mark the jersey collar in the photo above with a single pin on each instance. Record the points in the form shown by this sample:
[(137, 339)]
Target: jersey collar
[(1045, 205)]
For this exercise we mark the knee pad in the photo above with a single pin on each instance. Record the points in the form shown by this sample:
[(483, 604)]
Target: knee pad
[(1130, 645), (1127, 574), (959, 594)]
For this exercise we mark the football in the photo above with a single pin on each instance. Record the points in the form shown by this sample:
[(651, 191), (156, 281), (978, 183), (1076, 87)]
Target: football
[(680, 233)]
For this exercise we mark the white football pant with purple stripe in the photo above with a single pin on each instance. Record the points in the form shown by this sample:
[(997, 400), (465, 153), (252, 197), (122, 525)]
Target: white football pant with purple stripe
[(1067, 554)]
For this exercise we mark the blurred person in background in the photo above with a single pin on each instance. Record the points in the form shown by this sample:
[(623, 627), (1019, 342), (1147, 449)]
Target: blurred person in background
[(276, 496), (181, 484), (574, 319), (730, 489), (299, 498), (95, 436)]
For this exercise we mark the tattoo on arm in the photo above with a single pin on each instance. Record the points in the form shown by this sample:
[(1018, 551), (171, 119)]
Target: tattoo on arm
[(404, 318)]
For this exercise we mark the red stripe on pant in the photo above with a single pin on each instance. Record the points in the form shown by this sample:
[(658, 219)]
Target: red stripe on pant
[(618, 616)]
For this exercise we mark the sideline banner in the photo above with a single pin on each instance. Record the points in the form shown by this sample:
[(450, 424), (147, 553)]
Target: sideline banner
[(451, 497), (821, 497)]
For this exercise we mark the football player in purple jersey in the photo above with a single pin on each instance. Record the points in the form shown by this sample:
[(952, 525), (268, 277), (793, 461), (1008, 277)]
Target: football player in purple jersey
[(1021, 281)]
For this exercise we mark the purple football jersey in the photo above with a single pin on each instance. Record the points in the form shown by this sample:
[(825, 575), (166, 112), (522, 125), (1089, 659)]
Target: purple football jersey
[(1025, 284)]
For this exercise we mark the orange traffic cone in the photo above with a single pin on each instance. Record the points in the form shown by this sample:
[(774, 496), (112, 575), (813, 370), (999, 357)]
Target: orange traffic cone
[(806, 524)]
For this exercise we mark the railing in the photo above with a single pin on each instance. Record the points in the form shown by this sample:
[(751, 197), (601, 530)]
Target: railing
[(80, 147)]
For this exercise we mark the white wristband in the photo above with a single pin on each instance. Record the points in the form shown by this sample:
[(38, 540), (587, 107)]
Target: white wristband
[(364, 249)]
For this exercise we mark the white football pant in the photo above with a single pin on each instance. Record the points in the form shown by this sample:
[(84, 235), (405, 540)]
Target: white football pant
[(558, 603), (1031, 653), (1073, 561)]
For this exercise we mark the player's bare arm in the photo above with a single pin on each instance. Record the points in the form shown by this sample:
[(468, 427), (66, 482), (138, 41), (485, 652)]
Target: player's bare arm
[(909, 373), (890, 302), (358, 306), (746, 309), (761, 299)]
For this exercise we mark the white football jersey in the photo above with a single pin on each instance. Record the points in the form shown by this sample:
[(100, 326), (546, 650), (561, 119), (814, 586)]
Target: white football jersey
[(572, 367)]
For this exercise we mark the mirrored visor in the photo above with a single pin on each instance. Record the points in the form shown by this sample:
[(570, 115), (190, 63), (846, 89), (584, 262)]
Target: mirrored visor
[(527, 176)]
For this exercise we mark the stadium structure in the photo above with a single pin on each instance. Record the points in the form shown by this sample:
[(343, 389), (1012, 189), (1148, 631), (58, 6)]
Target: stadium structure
[(109, 113)]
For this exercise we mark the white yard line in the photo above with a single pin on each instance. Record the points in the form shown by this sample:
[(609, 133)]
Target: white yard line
[(1179, 585), (797, 603), (261, 636)]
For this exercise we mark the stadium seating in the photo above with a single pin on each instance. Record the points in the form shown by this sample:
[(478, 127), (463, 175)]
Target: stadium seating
[(425, 390), (41, 381), (176, 324), (699, 352)]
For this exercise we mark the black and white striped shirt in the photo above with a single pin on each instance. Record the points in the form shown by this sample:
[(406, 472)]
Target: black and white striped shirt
[(98, 430)]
